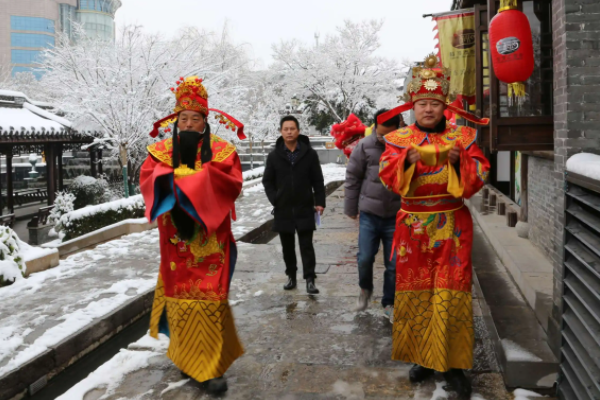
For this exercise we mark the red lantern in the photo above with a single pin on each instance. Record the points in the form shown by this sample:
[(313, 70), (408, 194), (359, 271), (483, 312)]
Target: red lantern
[(512, 48)]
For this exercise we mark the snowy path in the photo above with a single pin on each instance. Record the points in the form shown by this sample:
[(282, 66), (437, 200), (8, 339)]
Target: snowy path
[(297, 346), (39, 312)]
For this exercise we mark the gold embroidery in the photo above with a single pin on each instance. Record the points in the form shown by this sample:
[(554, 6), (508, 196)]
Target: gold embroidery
[(183, 171), (202, 248), (439, 178), (404, 137), (162, 151), (213, 270), (195, 293), (430, 223), (173, 266)]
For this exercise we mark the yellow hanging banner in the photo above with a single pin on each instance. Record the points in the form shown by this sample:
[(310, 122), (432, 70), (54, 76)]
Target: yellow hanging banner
[(456, 50)]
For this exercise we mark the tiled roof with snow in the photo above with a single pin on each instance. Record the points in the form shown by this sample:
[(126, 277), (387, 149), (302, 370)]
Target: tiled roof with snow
[(21, 118), (18, 120)]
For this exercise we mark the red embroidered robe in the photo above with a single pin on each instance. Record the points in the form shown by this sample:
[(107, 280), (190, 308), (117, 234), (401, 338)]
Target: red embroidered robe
[(190, 301), (433, 317)]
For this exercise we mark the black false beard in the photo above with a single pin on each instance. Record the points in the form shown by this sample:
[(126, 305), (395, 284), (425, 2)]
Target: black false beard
[(188, 146)]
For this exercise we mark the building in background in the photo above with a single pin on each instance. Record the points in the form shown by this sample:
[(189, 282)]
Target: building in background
[(528, 146), (27, 27)]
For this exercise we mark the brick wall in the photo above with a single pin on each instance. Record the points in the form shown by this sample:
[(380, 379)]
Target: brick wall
[(576, 43), (541, 200)]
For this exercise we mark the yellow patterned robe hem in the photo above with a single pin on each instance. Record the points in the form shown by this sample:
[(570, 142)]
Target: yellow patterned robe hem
[(203, 339), (434, 328)]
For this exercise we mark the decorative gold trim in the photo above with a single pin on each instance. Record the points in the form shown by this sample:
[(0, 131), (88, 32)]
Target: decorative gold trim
[(162, 151), (428, 96)]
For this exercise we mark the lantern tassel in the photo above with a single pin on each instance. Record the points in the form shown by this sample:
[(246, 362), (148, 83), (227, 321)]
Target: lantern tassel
[(516, 93), (506, 5)]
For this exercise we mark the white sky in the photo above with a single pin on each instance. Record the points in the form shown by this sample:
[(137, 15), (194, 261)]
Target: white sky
[(260, 23)]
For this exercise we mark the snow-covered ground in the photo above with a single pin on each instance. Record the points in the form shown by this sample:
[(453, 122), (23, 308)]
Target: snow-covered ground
[(39, 312), (138, 356)]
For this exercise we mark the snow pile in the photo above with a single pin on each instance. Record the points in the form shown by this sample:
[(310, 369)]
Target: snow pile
[(514, 352), (333, 172), (585, 164), (112, 373), (253, 173), (31, 253), (522, 394), (12, 265)]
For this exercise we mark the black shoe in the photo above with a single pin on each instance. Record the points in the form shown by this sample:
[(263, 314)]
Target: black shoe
[(458, 382), (291, 284), (216, 386), (418, 373), (310, 286)]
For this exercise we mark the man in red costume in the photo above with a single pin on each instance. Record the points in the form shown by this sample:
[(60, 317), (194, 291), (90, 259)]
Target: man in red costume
[(434, 167), (190, 183)]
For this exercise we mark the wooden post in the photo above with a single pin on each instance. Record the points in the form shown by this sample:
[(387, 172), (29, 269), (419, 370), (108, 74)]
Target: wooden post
[(61, 177), (10, 205), (523, 216), (485, 193), (501, 208), (511, 218), (51, 170), (100, 161), (93, 162), (493, 200)]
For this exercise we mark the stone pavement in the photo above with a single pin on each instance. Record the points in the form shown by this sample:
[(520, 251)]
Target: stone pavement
[(297, 346)]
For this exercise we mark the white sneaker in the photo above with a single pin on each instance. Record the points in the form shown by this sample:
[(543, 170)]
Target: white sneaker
[(363, 300), (389, 312)]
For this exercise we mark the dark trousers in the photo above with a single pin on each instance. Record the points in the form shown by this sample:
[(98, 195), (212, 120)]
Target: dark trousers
[(372, 231), (307, 252)]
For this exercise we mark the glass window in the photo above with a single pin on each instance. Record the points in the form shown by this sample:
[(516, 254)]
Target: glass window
[(25, 56), (96, 5), (538, 100), (67, 17), (32, 40), (31, 24), (37, 73)]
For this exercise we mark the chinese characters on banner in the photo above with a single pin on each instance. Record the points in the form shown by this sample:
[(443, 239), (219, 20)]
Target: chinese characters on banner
[(456, 51)]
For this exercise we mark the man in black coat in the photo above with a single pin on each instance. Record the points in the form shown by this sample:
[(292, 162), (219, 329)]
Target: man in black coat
[(293, 182)]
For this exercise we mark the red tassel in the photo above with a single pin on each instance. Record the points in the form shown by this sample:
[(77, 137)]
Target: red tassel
[(393, 112)]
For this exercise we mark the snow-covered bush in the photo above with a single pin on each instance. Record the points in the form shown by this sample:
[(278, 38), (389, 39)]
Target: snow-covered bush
[(88, 191), (253, 173), (91, 218), (63, 204), (12, 266)]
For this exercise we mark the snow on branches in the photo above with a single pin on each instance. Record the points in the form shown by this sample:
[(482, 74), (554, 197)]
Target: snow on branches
[(120, 89), (341, 75)]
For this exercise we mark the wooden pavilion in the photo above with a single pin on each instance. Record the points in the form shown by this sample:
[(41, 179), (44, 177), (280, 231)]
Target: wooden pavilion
[(28, 127)]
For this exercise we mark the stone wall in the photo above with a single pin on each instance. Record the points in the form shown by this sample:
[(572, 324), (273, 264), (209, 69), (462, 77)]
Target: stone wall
[(541, 201), (576, 46)]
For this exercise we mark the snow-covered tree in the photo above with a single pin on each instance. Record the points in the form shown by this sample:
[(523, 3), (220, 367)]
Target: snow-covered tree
[(341, 75), (119, 89)]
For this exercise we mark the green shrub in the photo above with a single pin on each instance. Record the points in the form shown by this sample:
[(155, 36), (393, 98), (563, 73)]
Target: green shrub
[(12, 266), (88, 191), (92, 218)]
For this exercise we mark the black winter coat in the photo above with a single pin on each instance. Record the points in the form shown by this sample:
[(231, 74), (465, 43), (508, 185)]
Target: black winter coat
[(290, 187)]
